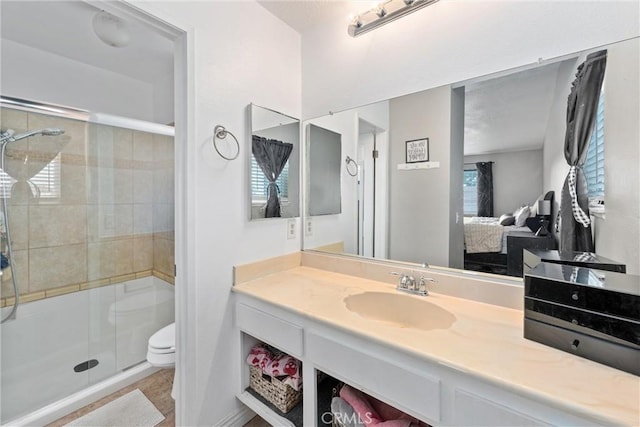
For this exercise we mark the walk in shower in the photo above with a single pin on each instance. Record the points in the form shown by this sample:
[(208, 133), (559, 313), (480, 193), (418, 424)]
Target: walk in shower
[(87, 234)]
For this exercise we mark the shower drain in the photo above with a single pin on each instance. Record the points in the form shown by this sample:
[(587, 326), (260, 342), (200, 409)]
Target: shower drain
[(81, 367)]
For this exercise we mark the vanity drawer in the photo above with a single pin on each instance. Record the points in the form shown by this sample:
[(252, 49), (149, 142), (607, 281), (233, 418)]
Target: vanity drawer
[(274, 331), (584, 297), (610, 328), (601, 351), (411, 391)]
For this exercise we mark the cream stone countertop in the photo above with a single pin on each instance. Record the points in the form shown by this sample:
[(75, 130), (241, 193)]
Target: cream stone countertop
[(485, 341)]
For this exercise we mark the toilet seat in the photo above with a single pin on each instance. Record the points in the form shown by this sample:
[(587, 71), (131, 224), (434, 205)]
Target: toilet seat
[(161, 351)]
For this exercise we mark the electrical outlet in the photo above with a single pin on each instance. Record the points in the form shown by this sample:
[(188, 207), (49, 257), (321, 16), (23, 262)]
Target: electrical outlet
[(308, 227), (291, 228)]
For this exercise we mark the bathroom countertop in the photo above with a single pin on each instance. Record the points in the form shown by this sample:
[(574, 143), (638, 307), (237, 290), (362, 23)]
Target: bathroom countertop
[(485, 341)]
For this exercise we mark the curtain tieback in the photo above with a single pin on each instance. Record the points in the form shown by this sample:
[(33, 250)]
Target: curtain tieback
[(579, 215), (273, 187)]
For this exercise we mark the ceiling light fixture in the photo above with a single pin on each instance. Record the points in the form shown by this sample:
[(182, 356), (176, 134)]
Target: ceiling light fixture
[(111, 29), (384, 13)]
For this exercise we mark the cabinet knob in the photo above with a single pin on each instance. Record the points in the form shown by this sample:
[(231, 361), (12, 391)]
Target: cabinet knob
[(574, 321), (575, 344), (574, 295)]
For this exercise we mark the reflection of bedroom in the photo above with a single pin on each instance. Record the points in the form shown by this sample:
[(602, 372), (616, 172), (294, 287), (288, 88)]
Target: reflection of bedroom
[(505, 129), (516, 123)]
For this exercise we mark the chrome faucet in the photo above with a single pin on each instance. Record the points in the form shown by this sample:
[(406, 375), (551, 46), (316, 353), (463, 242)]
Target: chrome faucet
[(410, 285)]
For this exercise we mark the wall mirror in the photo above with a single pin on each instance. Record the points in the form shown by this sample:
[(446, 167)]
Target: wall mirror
[(274, 167), (514, 121), (324, 150)]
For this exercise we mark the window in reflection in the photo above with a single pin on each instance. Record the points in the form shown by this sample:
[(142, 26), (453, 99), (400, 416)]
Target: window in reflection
[(470, 185)]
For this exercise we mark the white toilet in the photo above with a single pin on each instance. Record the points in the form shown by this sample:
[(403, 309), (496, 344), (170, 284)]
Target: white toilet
[(161, 351)]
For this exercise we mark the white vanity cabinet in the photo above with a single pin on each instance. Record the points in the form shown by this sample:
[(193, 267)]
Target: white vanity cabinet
[(426, 388)]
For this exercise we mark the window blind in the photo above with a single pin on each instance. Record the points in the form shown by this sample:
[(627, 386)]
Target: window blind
[(45, 184), (260, 183), (594, 163), (470, 192)]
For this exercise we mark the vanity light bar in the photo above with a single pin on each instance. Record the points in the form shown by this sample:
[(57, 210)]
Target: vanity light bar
[(383, 13)]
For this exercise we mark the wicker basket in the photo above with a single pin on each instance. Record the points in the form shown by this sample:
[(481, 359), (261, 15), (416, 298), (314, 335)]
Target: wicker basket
[(281, 395)]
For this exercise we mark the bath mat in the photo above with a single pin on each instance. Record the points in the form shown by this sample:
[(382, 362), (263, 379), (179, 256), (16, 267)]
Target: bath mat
[(132, 409)]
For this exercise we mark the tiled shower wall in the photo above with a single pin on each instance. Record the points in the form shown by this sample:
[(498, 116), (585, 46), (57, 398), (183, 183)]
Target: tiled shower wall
[(105, 216)]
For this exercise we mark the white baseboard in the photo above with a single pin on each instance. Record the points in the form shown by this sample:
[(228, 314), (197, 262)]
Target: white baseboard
[(237, 419)]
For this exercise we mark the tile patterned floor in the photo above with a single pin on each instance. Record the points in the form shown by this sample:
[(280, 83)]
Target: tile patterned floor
[(257, 422), (156, 387)]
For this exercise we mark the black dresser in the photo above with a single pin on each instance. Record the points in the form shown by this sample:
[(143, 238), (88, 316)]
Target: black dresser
[(517, 242), (590, 313)]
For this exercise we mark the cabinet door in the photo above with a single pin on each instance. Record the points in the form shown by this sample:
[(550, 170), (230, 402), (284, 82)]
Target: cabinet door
[(472, 410)]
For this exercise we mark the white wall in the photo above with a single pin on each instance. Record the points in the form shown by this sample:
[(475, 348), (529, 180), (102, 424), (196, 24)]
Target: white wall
[(450, 41), (37, 75), (419, 200), (622, 158), (240, 54), (517, 178)]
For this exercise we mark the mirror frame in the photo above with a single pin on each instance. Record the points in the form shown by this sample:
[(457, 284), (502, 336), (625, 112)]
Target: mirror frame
[(457, 84), (249, 156)]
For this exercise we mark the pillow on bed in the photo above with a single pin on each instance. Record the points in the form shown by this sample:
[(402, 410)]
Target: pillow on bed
[(507, 219), (521, 216)]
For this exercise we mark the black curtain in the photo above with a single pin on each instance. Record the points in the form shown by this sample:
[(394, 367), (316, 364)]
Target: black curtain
[(271, 155), (582, 107), (485, 188)]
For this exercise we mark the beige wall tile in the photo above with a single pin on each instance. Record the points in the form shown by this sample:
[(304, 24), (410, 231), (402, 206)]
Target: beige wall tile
[(163, 148), (100, 261), (163, 256), (73, 141), (163, 186), (122, 144), (143, 253), (57, 225), (61, 290), (73, 184), (13, 119), (123, 186), (123, 259), (142, 218), (163, 217), (142, 186), (123, 220), (57, 266), (142, 146), (19, 226)]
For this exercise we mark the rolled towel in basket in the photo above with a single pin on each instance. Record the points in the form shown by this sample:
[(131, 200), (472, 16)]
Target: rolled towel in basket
[(277, 365)]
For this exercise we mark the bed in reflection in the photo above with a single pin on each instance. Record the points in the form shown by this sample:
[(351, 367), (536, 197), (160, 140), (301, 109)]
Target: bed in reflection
[(495, 244)]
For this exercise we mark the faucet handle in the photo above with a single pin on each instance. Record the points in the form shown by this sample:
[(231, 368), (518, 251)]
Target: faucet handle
[(404, 279), (422, 286)]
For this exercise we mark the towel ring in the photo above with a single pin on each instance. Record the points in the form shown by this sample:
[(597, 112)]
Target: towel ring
[(221, 133), (348, 161)]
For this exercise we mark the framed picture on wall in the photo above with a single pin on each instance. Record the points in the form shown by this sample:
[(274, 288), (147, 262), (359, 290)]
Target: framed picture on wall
[(417, 150)]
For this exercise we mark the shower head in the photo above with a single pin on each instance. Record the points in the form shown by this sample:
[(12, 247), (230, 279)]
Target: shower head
[(8, 135)]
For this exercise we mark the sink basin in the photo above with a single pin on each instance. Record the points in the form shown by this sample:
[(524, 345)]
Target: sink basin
[(400, 310)]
